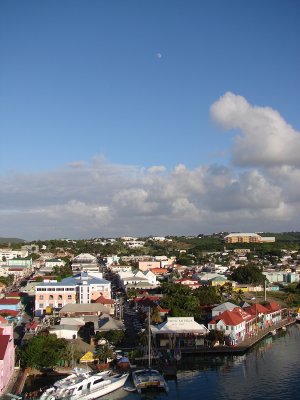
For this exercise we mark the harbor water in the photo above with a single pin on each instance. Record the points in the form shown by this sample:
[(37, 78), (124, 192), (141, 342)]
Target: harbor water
[(270, 370)]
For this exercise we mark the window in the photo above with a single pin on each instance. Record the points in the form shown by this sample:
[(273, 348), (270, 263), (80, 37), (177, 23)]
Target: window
[(41, 297), (41, 305), (59, 305), (69, 297), (51, 297), (59, 297)]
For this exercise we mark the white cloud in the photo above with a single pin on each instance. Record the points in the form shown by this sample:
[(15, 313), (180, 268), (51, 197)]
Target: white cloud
[(157, 169), (104, 199), (264, 139)]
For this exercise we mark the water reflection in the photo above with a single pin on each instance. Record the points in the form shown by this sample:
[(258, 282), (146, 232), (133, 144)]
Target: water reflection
[(270, 370)]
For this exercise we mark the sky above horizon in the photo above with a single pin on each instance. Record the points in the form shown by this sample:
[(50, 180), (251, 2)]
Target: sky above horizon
[(132, 117)]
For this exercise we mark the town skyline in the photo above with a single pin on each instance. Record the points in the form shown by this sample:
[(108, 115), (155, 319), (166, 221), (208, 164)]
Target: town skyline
[(134, 118)]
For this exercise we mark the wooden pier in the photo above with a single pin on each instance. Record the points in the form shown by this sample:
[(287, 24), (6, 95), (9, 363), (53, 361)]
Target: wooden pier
[(242, 346)]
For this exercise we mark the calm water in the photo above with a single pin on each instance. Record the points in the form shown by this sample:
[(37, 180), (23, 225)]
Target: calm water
[(271, 371)]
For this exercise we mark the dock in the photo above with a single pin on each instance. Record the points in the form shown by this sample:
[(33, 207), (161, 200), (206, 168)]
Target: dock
[(242, 346)]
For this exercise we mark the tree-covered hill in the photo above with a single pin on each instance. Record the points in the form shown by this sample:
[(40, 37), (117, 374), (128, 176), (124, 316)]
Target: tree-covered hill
[(5, 240)]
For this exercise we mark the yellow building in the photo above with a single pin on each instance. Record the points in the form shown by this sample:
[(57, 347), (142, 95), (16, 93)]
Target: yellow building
[(247, 238)]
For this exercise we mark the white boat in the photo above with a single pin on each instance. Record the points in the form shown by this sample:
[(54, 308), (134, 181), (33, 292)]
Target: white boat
[(85, 385), (149, 378)]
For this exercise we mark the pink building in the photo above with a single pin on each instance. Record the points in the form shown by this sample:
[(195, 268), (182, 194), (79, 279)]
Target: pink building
[(7, 354), (81, 289)]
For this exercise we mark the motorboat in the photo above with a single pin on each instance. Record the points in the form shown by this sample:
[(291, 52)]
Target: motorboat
[(85, 385), (149, 378)]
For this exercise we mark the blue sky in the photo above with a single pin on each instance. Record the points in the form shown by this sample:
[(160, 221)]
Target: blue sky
[(116, 117)]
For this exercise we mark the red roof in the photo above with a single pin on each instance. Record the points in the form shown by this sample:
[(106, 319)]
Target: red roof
[(159, 271), (9, 301), (4, 339), (272, 306), (103, 300), (12, 313), (13, 294), (233, 317), (32, 325), (257, 309), (15, 269), (163, 310), (146, 298)]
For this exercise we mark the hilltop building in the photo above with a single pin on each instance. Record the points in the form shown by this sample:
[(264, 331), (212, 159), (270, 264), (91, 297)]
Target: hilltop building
[(247, 238)]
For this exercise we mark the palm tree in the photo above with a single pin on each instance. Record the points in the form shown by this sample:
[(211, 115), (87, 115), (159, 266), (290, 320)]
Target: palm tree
[(103, 353), (155, 316)]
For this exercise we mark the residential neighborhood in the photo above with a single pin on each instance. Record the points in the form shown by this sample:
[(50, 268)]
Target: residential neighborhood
[(197, 301)]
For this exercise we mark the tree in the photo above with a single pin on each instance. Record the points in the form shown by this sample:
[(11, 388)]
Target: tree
[(114, 337), (7, 280), (43, 351), (62, 272), (207, 295), (103, 353), (131, 293), (248, 274), (180, 300), (155, 316)]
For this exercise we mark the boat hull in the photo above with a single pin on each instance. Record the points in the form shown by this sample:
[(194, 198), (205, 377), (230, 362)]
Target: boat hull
[(147, 379), (109, 385)]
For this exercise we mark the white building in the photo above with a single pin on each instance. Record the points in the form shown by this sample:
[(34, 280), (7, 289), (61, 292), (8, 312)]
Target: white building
[(79, 289), (8, 254)]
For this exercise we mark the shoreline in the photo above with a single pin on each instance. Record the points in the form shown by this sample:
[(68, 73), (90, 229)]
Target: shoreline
[(243, 346)]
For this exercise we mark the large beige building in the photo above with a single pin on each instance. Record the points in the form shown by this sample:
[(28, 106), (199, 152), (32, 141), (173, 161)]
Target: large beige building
[(247, 238)]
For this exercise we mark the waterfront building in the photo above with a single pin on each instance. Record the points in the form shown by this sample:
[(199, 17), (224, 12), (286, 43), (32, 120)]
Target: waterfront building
[(235, 323), (79, 289), (179, 332), (267, 315), (7, 354)]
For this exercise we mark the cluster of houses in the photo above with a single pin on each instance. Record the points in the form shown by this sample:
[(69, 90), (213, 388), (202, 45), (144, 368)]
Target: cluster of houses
[(87, 297)]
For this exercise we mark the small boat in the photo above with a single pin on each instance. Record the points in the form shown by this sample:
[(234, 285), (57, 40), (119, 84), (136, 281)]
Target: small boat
[(149, 378), (84, 385), (129, 389)]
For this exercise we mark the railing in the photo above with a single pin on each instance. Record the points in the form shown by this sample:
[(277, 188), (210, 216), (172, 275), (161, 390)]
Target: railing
[(249, 341)]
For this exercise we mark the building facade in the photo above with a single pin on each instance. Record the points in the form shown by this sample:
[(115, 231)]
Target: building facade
[(79, 289), (7, 354), (247, 238)]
